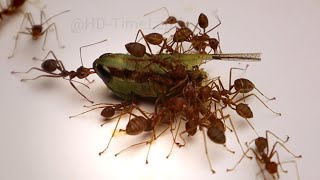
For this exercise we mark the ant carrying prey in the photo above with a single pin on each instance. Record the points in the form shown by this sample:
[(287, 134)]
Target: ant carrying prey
[(49, 66)]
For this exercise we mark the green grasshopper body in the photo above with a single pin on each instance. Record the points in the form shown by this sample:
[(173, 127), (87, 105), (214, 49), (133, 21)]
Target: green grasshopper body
[(113, 69)]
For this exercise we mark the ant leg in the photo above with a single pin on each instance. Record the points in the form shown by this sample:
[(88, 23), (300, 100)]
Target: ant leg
[(184, 141), (114, 131), (143, 36), (42, 15), (144, 142), (219, 44), (33, 68), (278, 158), (261, 170), (38, 59), (260, 101), (85, 112), (237, 137), (56, 76), (79, 91), (269, 132), (296, 166), (206, 149), (89, 80), (215, 25), (244, 155), (230, 75), (278, 142), (30, 20), (174, 140), (46, 34)]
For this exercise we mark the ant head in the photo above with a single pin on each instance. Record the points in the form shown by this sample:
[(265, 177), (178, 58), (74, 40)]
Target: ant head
[(36, 31), (261, 144), (136, 49), (272, 167), (83, 72), (170, 20), (108, 112), (49, 65)]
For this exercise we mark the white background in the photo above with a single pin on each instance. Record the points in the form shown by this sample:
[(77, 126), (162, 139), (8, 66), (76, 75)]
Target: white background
[(39, 141)]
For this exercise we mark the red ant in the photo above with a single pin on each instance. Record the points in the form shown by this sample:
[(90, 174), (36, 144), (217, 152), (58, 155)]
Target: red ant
[(264, 156), (37, 30), (49, 66)]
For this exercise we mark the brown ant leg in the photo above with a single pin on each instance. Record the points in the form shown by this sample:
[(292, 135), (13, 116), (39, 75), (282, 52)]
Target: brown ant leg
[(174, 140), (79, 92), (296, 167), (273, 149), (278, 158), (114, 131), (46, 34), (236, 134), (206, 149), (244, 155), (29, 17), (261, 170), (56, 76), (38, 59), (260, 101), (144, 40), (215, 25), (33, 68), (85, 112)]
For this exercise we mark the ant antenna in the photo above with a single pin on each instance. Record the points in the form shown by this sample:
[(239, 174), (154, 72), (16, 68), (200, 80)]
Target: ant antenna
[(87, 46), (158, 10), (54, 16)]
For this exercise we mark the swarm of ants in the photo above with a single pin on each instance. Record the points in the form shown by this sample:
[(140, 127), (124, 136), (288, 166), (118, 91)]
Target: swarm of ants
[(187, 100)]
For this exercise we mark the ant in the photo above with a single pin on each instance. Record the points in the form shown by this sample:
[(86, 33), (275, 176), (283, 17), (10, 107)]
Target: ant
[(135, 126), (169, 20), (37, 30), (12, 7), (264, 156), (49, 66)]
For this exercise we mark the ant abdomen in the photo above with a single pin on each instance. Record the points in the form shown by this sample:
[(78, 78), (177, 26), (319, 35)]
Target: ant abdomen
[(244, 111), (108, 112), (137, 125), (49, 65), (154, 38), (243, 85), (216, 135), (203, 21), (136, 49)]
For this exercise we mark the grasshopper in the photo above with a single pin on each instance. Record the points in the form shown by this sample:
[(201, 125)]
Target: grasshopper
[(114, 70)]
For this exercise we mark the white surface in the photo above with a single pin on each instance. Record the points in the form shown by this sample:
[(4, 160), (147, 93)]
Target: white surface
[(39, 141)]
